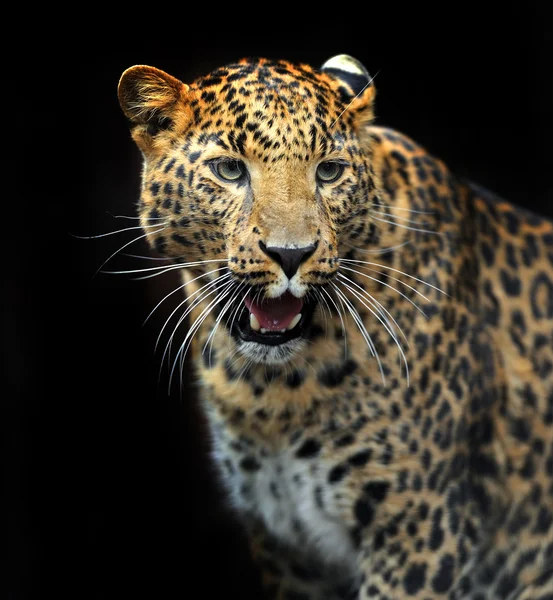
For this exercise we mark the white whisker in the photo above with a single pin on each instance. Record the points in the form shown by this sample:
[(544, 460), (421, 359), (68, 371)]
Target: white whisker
[(404, 219), (128, 244), (418, 212), (379, 250), (163, 268), (101, 235), (344, 331), (183, 350), (383, 313), (380, 266), (218, 320), (354, 99), (362, 329), (389, 286), (202, 291), (407, 227), (180, 288)]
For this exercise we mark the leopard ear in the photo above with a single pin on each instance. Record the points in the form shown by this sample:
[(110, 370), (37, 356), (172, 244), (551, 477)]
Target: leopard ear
[(153, 101), (355, 85)]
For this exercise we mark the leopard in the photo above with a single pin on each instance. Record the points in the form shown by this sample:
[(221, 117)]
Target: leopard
[(371, 335)]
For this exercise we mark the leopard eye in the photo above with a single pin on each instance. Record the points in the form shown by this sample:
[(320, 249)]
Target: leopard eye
[(329, 171), (230, 170)]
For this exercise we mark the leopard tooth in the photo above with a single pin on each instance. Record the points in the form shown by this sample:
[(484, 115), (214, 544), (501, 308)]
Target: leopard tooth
[(254, 323), (294, 322), (263, 330)]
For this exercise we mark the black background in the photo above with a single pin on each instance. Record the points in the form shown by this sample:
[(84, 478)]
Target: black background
[(108, 488)]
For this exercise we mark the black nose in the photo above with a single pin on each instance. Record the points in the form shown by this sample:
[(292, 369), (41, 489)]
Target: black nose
[(289, 259)]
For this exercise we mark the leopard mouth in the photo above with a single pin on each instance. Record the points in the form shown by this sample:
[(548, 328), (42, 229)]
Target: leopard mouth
[(273, 321)]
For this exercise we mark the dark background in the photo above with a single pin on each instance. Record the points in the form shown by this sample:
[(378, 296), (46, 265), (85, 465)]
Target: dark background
[(108, 488)]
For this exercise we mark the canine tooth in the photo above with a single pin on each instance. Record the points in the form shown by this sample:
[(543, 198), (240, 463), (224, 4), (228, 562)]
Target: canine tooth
[(254, 323), (263, 330), (294, 322)]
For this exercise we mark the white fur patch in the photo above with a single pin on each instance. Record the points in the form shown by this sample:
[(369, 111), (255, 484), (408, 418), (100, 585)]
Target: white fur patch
[(271, 355), (344, 62), (282, 494)]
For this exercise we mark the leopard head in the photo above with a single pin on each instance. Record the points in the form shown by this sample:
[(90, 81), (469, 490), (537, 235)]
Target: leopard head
[(263, 169)]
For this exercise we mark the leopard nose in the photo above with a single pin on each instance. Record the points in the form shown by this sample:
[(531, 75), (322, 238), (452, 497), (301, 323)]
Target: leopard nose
[(289, 259)]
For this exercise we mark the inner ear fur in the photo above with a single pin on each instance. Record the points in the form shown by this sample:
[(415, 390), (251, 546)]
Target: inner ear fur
[(153, 101)]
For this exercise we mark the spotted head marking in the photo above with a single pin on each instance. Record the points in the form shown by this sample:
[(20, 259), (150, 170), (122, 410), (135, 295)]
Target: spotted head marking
[(263, 165)]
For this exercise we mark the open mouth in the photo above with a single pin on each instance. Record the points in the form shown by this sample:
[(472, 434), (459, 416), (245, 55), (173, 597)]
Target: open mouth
[(274, 321)]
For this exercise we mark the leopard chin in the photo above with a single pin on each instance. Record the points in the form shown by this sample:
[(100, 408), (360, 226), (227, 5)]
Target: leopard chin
[(264, 354)]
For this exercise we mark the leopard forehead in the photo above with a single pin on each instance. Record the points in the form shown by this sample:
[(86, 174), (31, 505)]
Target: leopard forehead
[(284, 107)]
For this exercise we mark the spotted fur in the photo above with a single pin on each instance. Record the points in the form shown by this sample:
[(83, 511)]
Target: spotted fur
[(356, 476)]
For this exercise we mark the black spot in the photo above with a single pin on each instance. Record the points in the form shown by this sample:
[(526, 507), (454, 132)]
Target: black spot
[(193, 157), (543, 521), (541, 296), (309, 448), (294, 379), (171, 163), (506, 585), (512, 222), (160, 244), (154, 188), (360, 458), (376, 490), (436, 533), (180, 239), (511, 284), (249, 463), (414, 579), (487, 253), (337, 473), (443, 579), (333, 376), (363, 511), (520, 429), (345, 440)]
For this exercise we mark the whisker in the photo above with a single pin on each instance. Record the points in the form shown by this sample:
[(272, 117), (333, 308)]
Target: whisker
[(404, 219), (362, 329), (341, 321), (202, 290), (418, 212), (389, 286), (127, 244), (134, 217), (319, 297), (101, 235), (381, 309), (378, 251), (218, 320), (364, 262), (384, 321), (409, 228), (163, 268), (195, 327), (298, 355), (180, 288), (240, 306), (149, 257), (354, 99)]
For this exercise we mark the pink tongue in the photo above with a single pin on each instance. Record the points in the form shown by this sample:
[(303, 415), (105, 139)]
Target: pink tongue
[(275, 313)]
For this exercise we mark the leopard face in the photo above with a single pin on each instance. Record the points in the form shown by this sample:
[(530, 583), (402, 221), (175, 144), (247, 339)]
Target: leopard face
[(255, 176)]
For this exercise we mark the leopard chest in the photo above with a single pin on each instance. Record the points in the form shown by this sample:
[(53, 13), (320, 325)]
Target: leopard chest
[(287, 490)]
